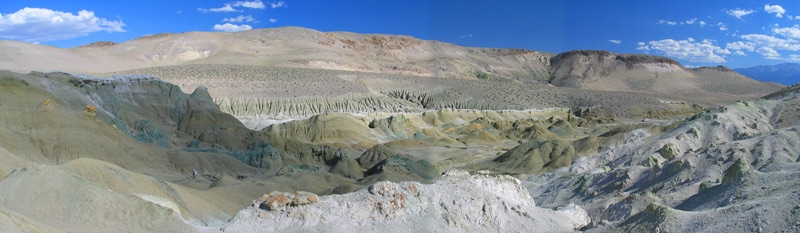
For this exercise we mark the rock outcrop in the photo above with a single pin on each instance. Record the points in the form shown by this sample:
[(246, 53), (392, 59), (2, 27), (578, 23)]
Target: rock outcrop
[(707, 173), (280, 201), (456, 202)]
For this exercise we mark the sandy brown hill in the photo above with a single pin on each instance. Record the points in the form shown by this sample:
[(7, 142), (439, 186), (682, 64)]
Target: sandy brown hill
[(253, 73), (287, 47), (602, 70), (392, 54)]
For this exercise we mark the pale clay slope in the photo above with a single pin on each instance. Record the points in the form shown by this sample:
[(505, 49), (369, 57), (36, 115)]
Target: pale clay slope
[(680, 204), (45, 134), (482, 204), (456, 202), (735, 167), (113, 172)]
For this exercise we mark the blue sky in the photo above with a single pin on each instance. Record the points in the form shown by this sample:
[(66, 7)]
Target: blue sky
[(696, 33)]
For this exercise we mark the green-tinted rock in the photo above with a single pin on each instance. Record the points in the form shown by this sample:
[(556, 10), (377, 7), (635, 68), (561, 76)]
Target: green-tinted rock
[(668, 151)]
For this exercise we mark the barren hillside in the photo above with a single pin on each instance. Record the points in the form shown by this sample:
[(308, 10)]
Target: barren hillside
[(291, 62)]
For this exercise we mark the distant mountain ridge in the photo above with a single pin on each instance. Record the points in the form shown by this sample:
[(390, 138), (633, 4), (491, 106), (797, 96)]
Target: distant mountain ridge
[(303, 48), (784, 73)]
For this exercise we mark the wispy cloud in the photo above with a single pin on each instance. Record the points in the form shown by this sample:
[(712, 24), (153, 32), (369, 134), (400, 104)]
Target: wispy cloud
[(775, 9), (615, 41), (240, 19), (768, 46), (738, 13), (257, 4), (741, 45), (794, 58), (228, 27), (226, 8), (769, 53), (666, 22), (689, 49), (40, 24), (272, 20), (277, 4), (692, 21), (760, 40), (722, 26), (465, 36), (229, 7), (789, 32)]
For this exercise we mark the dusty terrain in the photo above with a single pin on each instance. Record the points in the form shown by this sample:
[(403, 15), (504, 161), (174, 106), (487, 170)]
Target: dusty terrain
[(278, 73), (293, 129)]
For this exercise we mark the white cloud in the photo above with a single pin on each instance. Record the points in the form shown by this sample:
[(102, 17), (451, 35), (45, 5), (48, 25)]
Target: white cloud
[(769, 53), (794, 58), (272, 20), (666, 22), (760, 40), (790, 32), (738, 52), (702, 23), (703, 51), (228, 27), (229, 7), (740, 45), (640, 44), (240, 19), (722, 26), (257, 4), (277, 4), (615, 41), (776, 9), (691, 21), (465, 36), (39, 24), (738, 13), (226, 8)]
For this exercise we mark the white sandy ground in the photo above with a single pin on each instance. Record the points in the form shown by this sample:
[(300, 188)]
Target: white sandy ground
[(456, 202)]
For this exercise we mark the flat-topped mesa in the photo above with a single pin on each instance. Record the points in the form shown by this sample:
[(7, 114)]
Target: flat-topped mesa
[(607, 61), (627, 58), (585, 68), (608, 71)]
